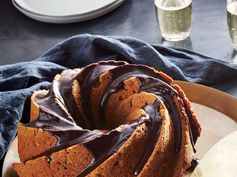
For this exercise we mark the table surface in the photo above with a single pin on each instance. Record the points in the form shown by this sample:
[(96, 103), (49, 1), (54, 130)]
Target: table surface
[(23, 39)]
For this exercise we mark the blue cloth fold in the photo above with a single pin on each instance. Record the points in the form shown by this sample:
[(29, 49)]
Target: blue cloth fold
[(18, 81)]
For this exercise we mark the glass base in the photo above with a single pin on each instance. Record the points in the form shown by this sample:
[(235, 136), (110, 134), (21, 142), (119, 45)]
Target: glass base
[(175, 37)]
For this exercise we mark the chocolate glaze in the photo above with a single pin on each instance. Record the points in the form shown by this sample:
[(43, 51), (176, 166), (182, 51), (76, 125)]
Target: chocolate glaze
[(151, 82), (60, 116), (87, 79), (154, 123), (193, 165)]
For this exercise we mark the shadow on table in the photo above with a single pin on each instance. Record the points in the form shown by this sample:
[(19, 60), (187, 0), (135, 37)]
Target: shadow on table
[(233, 56), (184, 44)]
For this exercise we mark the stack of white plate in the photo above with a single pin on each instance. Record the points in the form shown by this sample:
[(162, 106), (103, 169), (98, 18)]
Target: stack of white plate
[(65, 11)]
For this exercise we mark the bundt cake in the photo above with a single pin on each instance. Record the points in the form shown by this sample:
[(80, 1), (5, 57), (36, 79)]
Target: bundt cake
[(108, 119)]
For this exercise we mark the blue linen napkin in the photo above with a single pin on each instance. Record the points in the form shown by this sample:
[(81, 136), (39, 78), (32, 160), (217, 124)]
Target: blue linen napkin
[(18, 81)]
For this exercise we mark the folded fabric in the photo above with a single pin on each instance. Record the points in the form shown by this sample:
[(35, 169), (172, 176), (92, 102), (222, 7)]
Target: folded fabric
[(18, 81)]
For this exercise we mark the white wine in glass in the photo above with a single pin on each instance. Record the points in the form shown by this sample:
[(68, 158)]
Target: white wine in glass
[(174, 17), (232, 21)]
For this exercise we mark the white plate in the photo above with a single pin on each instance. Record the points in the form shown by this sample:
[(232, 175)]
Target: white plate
[(10, 158), (210, 119), (221, 160), (65, 11)]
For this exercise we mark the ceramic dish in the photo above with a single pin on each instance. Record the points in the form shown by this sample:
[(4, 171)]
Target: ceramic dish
[(65, 11)]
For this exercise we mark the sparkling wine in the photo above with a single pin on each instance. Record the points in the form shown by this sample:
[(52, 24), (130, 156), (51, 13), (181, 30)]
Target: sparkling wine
[(174, 17), (232, 21)]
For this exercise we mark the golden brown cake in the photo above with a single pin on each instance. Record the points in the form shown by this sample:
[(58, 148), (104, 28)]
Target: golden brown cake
[(108, 119)]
